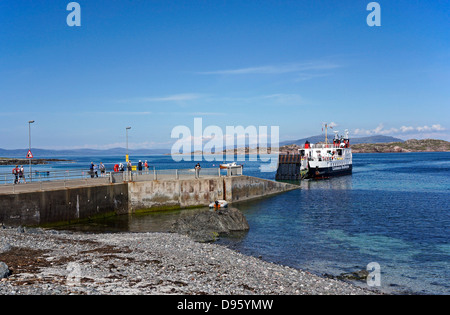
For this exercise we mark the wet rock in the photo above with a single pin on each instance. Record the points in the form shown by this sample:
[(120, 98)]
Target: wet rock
[(34, 230), (208, 225), (4, 270), (360, 275), (4, 247)]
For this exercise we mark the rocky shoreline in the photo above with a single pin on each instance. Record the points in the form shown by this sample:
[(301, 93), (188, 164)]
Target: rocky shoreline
[(47, 262)]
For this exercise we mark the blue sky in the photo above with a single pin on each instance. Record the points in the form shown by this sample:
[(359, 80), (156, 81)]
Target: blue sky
[(154, 65)]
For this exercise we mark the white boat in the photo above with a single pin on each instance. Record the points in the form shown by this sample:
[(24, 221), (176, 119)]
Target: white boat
[(219, 204), (228, 165), (317, 161)]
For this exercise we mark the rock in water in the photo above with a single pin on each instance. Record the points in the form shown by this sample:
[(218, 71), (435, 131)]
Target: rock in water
[(207, 225)]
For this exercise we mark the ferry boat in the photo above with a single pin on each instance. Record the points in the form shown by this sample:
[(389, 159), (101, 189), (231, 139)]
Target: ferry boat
[(317, 161)]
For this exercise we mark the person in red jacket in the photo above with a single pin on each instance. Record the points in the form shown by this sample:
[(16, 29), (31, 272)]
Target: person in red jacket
[(15, 172)]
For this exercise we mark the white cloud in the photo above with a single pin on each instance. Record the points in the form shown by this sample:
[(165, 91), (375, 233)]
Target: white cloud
[(276, 69), (169, 98), (406, 129), (284, 99), (118, 113), (432, 128), (380, 130), (333, 124)]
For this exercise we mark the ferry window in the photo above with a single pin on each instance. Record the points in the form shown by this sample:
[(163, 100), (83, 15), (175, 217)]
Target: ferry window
[(302, 152), (339, 152)]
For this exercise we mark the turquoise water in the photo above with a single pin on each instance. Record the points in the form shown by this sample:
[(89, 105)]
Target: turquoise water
[(394, 210)]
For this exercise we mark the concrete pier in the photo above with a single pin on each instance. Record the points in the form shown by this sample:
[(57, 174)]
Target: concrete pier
[(70, 204)]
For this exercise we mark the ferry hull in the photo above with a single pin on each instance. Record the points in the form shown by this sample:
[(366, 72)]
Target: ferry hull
[(331, 171)]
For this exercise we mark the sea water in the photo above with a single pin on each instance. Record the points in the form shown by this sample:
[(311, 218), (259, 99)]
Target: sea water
[(393, 210)]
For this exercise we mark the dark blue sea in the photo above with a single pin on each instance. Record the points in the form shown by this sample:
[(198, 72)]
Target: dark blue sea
[(393, 210)]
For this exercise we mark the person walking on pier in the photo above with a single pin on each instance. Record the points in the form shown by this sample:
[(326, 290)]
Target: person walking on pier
[(102, 169), (197, 170), (129, 169), (15, 172), (140, 167), (22, 174), (95, 170), (91, 170)]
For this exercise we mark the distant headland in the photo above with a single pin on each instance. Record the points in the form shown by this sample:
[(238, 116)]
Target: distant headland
[(412, 145), (14, 161)]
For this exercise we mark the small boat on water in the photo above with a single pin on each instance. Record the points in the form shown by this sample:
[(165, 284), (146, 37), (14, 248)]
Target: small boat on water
[(219, 204), (227, 165)]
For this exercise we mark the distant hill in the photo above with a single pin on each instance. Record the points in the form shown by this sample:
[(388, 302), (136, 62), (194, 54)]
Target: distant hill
[(21, 153), (413, 145), (321, 138)]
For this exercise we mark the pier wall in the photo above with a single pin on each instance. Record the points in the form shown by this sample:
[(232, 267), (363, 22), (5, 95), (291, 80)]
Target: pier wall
[(74, 204), (242, 188), (174, 193), (63, 205)]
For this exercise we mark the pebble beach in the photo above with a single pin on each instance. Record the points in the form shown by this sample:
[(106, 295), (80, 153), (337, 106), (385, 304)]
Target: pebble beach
[(47, 262)]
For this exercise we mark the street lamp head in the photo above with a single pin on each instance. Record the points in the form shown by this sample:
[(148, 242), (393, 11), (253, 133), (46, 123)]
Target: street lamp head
[(128, 128), (31, 121)]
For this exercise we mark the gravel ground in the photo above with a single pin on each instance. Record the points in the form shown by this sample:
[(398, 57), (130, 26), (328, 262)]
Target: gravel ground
[(49, 262)]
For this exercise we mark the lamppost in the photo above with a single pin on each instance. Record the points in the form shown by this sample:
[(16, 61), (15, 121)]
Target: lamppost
[(127, 157), (29, 143)]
